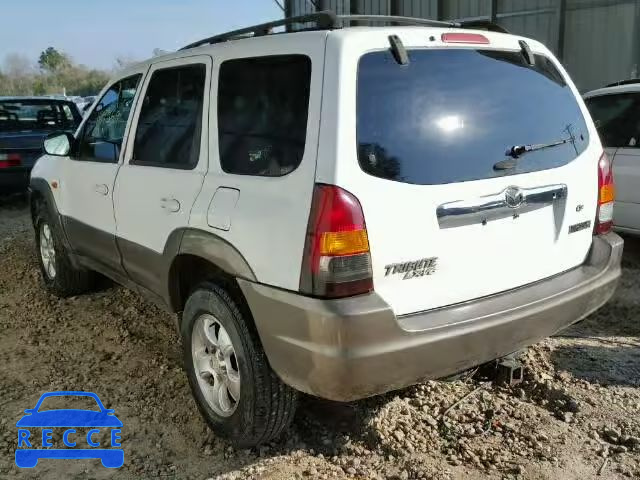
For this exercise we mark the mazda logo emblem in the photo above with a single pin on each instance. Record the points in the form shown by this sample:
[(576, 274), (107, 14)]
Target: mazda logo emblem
[(513, 197)]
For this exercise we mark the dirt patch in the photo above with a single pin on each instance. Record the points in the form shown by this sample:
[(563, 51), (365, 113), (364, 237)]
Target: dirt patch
[(14, 216), (577, 412)]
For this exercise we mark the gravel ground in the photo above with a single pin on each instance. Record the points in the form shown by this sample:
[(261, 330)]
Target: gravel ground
[(576, 414), (14, 217)]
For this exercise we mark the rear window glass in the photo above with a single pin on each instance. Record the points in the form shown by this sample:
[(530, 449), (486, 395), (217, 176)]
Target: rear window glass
[(42, 115), (451, 115), (617, 118)]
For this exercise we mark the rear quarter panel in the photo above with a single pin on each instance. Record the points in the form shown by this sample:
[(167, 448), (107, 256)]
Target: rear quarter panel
[(268, 222), (626, 174)]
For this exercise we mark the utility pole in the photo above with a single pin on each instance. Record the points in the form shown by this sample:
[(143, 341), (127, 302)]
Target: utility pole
[(562, 21), (635, 65)]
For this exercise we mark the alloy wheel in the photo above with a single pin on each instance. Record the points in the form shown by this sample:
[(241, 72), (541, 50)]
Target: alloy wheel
[(215, 365), (47, 251)]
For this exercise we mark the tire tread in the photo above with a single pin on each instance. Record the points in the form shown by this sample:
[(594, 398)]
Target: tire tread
[(69, 281), (274, 402)]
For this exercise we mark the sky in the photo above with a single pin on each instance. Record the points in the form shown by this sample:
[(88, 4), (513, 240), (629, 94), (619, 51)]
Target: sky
[(95, 32)]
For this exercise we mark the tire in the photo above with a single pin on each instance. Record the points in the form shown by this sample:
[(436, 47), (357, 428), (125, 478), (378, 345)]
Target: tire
[(58, 274), (265, 406)]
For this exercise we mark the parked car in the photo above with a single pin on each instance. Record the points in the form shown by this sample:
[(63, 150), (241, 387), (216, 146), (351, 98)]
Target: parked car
[(339, 211), (616, 112), (24, 122), (85, 103)]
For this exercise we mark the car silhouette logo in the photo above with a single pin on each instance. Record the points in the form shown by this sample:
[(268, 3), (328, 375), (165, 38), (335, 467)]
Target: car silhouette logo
[(29, 452)]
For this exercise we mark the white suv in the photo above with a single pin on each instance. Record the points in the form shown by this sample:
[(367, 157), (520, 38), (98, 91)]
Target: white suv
[(336, 211)]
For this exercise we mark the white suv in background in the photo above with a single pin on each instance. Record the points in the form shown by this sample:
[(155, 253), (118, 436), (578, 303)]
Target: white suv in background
[(337, 211), (616, 112)]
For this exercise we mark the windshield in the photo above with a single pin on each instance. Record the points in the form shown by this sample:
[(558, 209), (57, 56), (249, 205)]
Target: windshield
[(37, 115), (450, 115), (64, 402)]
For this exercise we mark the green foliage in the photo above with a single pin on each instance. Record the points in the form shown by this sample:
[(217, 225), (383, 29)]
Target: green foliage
[(56, 74), (51, 60)]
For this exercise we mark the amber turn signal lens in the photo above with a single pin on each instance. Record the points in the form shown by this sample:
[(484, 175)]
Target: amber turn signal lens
[(607, 193), (344, 243)]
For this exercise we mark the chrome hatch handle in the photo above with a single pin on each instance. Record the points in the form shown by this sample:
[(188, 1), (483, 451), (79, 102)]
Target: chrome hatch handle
[(512, 201)]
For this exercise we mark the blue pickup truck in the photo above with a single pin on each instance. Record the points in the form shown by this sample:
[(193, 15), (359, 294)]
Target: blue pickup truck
[(24, 122)]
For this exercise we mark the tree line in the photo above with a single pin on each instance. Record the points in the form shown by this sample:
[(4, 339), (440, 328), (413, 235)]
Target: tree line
[(54, 73)]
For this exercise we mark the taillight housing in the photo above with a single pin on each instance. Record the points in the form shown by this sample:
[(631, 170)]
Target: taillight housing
[(10, 160), (336, 261), (606, 196)]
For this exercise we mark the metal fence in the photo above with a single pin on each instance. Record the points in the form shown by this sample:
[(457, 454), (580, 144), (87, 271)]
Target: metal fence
[(597, 40)]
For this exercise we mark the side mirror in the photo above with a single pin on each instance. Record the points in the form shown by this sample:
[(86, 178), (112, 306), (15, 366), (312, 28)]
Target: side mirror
[(109, 411), (58, 144), (29, 410)]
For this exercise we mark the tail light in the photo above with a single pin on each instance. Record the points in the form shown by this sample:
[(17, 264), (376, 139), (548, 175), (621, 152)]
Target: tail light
[(10, 160), (606, 196), (336, 261)]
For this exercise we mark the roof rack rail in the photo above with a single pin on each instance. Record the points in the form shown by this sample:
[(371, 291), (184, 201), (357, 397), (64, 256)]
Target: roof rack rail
[(398, 20), (328, 20), (325, 20), (483, 25), (631, 81)]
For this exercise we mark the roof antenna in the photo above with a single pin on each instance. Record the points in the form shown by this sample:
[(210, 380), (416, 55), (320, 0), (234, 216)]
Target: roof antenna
[(527, 53), (397, 49)]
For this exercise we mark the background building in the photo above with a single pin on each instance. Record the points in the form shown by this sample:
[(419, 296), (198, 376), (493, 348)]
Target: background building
[(597, 40)]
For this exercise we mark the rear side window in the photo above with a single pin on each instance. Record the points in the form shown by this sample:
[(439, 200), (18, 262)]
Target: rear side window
[(617, 118), (452, 114), (263, 104), (168, 133)]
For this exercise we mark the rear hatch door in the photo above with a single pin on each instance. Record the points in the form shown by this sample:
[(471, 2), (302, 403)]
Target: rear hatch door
[(453, 213)]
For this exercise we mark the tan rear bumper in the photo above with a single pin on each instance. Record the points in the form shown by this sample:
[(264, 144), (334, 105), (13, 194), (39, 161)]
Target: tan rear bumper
[(356, 347)]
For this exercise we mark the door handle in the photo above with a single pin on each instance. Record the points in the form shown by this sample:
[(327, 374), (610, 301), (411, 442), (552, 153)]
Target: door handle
[(170, 205), (101, 188)]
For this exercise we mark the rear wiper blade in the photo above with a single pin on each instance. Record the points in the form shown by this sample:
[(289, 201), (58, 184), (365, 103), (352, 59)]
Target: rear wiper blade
[(517, 151)]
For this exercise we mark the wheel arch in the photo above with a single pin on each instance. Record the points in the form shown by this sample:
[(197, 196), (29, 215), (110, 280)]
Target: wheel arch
[(40, 192), (198, 256)]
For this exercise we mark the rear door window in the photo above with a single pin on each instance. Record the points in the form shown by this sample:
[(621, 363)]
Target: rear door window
[(452, 114), (617, 118)]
